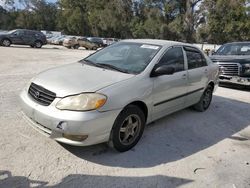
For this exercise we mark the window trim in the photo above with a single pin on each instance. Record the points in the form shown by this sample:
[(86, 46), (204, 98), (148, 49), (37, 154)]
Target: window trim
[(194, 50), (184, 57)]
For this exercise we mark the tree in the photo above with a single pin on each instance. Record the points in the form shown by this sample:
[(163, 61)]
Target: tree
[(227, 20)]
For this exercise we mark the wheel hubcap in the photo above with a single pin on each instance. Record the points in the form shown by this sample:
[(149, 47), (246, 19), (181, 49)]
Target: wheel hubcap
[(130, 129), (207, 98), (38, 44), (6, 43)]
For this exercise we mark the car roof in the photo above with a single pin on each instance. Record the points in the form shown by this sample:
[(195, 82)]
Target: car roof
[(28, 30), (158, 42), (243, 42)]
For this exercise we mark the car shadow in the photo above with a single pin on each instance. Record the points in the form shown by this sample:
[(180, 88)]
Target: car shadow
[(82, 180), (25, 46), (174, 137), (235, 87)]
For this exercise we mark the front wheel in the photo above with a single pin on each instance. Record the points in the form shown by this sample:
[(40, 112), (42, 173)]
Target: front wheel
[(128, 129), (6, 42), (76, 46), (205, 100)]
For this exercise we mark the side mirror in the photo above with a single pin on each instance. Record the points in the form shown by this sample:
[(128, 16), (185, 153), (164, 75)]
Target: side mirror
[(162, 70)]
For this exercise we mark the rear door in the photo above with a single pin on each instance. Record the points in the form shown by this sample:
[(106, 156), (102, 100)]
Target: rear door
[(169, 90), (197, 74), (28, 37)]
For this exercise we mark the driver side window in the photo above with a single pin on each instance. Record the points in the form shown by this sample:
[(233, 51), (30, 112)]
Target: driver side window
[(173, 58)]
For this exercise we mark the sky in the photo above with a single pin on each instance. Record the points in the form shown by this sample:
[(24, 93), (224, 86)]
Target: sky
[(18, 5)]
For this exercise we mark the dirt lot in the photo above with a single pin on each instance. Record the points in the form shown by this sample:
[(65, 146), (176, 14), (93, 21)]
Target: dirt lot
[(185, 149)]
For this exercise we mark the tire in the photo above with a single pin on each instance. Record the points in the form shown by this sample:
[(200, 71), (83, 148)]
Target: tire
[(94, 48), (69, 47), (32, 46), (38, 44), (127, 129), (76, 46), (6, 42), (205, 100)]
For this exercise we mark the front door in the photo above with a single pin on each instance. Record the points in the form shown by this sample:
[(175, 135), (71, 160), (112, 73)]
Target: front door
[(16, 37), (169, 90)]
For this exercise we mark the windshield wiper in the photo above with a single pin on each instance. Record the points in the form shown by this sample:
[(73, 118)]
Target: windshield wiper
[(112, 67), (103, 65), (88, 62)]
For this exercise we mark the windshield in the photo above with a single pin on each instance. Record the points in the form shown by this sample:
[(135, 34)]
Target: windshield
[(234, 49), (126, 56)]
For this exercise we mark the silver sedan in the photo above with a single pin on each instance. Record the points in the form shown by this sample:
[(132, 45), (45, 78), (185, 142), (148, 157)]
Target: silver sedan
[(112, 94)]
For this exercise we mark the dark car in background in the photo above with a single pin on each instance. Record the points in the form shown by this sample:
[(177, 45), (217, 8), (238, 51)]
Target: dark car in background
[(97, 41), (234, 62), (35, 39)]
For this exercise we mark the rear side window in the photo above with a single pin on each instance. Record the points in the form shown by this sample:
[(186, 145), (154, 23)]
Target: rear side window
[(173, 57), (195, 59)]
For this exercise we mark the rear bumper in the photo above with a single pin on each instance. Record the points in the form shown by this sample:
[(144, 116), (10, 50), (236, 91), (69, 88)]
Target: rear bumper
[(46, 119), (244, 81)]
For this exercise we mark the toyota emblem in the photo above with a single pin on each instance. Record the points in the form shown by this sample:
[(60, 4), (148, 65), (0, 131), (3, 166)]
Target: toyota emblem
[(37, 94)]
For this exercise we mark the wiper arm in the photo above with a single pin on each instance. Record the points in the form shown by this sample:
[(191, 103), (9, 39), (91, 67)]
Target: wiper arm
[(113, 67), (88, 62), (103, 65)]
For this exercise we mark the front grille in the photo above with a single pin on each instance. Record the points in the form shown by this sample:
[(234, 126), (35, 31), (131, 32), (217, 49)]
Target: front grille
[(229, 69), (41, 95)]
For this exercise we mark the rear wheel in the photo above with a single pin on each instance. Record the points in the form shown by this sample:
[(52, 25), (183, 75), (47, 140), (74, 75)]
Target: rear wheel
[(94, 48), (128, 129), (6, 42), (38, 44), (76, 46), (205, 100)]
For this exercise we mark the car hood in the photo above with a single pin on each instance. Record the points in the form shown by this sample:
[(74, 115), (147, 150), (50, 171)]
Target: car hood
[(78, 78), (230, 58), (3, 34)]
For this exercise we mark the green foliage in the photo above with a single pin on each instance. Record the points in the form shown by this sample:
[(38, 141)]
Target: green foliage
[(227, 20), (214, 21)]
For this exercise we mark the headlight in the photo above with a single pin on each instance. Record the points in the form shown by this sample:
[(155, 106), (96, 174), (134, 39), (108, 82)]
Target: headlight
[(82, 102)]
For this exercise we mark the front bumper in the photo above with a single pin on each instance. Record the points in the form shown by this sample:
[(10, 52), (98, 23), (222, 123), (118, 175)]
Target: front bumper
[(244, 81), (54, 123)]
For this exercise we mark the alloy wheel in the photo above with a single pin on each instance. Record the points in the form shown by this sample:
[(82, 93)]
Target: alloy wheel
[(130, 129), (207, 98), (6, 42)]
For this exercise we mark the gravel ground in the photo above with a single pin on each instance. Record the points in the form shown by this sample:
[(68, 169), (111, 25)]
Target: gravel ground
[(185, 149)]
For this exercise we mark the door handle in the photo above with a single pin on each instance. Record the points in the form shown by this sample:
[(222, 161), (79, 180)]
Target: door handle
[(205, 71)]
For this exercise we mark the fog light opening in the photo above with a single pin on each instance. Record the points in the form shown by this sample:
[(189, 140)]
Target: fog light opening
[(78, 138)]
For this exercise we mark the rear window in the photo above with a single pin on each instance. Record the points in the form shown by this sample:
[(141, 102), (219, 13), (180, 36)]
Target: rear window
[(195, 59)]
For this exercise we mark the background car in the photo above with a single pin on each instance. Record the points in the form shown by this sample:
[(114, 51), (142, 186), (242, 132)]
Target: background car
[(70, 41), (83, 42), (234, 61), (35, 39), (76, 42), (96, 40), (109, 41), (59, 40)]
